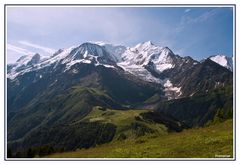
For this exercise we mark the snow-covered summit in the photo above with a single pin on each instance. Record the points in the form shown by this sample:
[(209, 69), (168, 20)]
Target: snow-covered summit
[(85, 50), (28, 60), (143, 46), (115, 51), (223, 60), (141, 54), (23, 63), (89, 53)]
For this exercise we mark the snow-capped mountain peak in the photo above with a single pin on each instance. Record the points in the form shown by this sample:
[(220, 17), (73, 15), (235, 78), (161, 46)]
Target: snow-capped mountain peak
[(85, 50), (145, 46), (142, 54), (57, 52), (223, 60), (101, 43), (115, 51), (23, 63), (87, 53), (28, 60)]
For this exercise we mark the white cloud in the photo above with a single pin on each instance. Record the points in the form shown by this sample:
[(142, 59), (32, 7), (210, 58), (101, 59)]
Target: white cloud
[(45, 49), (207, 15), (187, 10), (187, 20), (18, 49)]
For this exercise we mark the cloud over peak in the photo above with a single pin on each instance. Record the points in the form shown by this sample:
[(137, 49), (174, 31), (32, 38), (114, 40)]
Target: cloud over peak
[(45, 49)]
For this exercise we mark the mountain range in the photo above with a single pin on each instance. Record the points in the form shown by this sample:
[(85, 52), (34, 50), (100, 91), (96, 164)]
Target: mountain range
[(147, 61), (55, 96)]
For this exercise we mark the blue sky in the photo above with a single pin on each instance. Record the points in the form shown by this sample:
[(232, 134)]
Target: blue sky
[(189, 31)]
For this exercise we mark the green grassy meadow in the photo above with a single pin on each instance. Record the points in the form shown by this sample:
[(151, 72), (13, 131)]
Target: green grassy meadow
[(124, 120), (207, 142)]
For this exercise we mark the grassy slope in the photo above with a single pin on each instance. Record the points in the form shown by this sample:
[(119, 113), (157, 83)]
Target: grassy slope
[(193, 143), (123, 120)]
